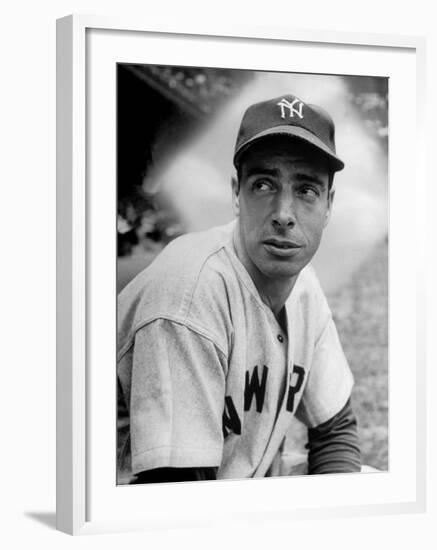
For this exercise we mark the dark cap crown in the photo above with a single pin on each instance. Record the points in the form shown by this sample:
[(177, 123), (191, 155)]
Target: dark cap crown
[(288, 115)]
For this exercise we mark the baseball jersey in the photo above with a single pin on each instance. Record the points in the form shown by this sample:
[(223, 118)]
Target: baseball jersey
[(209, 377)]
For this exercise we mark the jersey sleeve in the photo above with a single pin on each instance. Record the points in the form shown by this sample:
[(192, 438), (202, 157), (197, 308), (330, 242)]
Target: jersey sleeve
[(329, 382), (176, 398)]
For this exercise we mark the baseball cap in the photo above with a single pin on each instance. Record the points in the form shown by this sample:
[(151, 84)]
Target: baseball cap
[(287, 115)]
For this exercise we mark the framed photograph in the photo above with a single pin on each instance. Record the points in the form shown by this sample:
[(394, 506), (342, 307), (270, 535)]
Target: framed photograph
[(228, 304)]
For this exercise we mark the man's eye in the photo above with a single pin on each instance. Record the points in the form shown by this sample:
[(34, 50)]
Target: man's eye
[(262, 185), (309, 191)]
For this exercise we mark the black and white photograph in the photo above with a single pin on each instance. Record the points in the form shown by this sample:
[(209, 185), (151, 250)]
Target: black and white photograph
[(252, 274), (218, 300)]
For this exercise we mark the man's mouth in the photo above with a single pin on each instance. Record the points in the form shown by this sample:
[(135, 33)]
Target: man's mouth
[(284, 244), (283, 248)]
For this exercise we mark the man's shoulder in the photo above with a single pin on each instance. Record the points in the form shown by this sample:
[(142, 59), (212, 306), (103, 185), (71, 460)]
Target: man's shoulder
[(189, 270), (308, 280), (309, 315), (308, 293)]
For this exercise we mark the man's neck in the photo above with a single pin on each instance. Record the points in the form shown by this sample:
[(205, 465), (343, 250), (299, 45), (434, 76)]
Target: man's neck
[(273, 292)]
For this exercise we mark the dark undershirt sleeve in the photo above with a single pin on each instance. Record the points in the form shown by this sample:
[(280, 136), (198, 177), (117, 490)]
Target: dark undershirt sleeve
[(333, 446), (172, 475)]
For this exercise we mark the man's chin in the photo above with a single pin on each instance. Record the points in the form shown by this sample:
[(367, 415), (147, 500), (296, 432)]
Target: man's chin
[(282, 271)]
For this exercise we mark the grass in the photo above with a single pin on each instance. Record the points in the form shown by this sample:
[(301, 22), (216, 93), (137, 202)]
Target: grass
[(360, 312)]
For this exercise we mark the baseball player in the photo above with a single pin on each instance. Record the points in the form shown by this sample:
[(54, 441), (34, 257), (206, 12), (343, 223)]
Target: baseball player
[(227, 334)]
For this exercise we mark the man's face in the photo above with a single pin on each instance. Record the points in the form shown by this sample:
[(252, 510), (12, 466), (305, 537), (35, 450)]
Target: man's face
[(283, 204)]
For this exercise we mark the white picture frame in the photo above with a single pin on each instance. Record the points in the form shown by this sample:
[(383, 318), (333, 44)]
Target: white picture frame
[(77, 341)]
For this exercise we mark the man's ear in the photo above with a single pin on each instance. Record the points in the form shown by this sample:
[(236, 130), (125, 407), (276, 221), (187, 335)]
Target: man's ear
[(235, 195), (331, 195)]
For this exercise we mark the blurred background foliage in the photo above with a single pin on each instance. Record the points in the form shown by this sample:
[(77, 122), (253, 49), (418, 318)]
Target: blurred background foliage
[(158, 106), (159, 110)]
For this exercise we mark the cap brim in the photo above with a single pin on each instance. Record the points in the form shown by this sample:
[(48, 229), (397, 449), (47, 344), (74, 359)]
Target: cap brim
[(296, 132)]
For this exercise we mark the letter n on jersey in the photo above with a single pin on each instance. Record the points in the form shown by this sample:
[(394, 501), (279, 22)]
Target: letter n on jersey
[(231, 421)]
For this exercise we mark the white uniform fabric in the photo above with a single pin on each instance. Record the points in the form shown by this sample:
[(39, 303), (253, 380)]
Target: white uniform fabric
[(209, 377)]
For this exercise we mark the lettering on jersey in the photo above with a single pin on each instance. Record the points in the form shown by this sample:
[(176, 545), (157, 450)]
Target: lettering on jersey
[(296, 381), (253, 387), (231, 421)]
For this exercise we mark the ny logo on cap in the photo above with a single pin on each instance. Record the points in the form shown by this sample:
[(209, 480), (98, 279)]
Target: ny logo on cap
[(292, 110)]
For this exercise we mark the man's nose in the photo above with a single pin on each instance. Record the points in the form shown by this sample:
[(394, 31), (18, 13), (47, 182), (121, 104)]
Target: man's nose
[(283, 215)]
